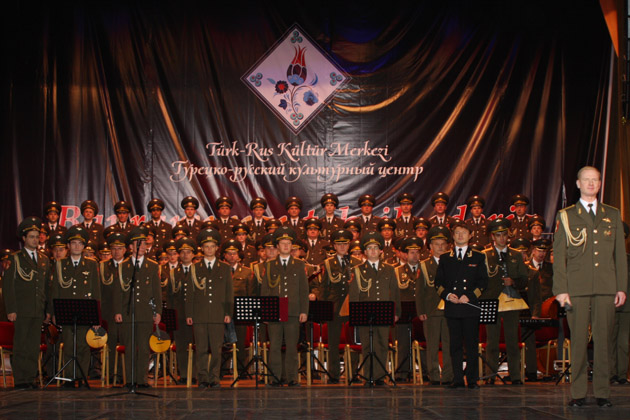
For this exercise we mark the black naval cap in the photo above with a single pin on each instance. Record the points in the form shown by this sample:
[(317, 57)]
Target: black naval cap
[(439, 232), (367, 200), (341, 236), (76, 232), (190, 201), (240, 228), (404, 198), (52, 206), (138, 233), (476, 201), (521, 244), (313, 223), (329, 198), (536, 220), (542, 244), (180, 230), (352, 225), (284, 232), (56, 240), (372, 238), (89, 204), (386, 223), (258, 202), (223, 202), (171, 245), (499, 225), (208, 235), (293, 201), (422, 222), (28, 224), (155, 204), (412, 242), (185, 243), (440, 197), (520, 200), (122, 207), (117, 239)]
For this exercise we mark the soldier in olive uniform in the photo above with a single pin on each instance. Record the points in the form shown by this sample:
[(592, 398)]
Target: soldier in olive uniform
[(163, 230), (477, 220), (538, 260), (209, 306), (460, 279), (315, 253), (240, 232), (354, 226), (590, 273), (146, 288), (75, 277), (405, 223), (375, 281), (506, 268), (519, 228), (256, 223), (52, 210), (271, 225), (386, 227), (330, 222), (25, 291), (335, 282), (225, 221), (190, 221), (439, 201), (430, 308), (122, 210), (407, 275), (421, 228), (285, 277), (178, 284), (89, 210), (535, 226), (294, 207), (368, 221)]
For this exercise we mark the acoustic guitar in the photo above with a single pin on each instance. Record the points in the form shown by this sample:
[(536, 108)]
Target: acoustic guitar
[(96, 337), (159, 341)]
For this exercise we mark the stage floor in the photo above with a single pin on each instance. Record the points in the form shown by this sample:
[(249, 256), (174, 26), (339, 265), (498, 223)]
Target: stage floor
[(532, 401)]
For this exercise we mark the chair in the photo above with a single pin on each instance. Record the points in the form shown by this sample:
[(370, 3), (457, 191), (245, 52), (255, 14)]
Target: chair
[(7, 330), (418, 345), (502, 347), (191, 350)]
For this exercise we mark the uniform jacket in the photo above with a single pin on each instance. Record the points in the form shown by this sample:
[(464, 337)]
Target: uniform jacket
[(531, 293), (328, 228), (516, 270), (196, 226), (225, 227), (70, 282), (407, 280), (427, 298), (290, 283), (479, 231), (370, 226), (315, 254), (26, 285), (244, 283), (403, 229), (336, 281), (147, 286), (368, 285), (163, 233), (299, 229), (95, 231), (210, 295), (177, 290), (109, 282), (520, 229)]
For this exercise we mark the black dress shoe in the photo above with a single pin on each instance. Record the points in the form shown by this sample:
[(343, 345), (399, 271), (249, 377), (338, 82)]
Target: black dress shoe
[(603, 402), (21, 386), (144, 385), (333, 381), (203, 385), (293, 383), (577, 402), (215, 385), (274, 384), (454, 385), (622, 381), (473, 385), (517, 382)]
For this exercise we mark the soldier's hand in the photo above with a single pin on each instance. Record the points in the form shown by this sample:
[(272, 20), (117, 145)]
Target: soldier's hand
[(396, 318), (12, 316), (47, 319), (563, 299), (453, 298), (423, 317), (189, 321), (464, 299), (118, 318), (507, 281), (303, 318), (620, 299), (226, 320)]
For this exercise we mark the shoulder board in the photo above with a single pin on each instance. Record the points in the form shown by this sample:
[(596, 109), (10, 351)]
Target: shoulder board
[(91, 259), (609, 207), (474, 251), (152, 260)]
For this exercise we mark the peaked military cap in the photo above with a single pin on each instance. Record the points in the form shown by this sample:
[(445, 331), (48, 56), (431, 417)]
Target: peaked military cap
[(52, 206), (293, 201), (77, 232), (284, 232), (499, 225), (386, 223), (155, 203), (258, 202), (476, 201), (536, 220), (329, 198), (520, 244), (223, 202), (519, 199), (439, 197), (116, 239), (352, 225), (56, 240), (372, 238), (240, 228), (190, 201), (404, 198), (422, 222), (341, 236), (367, 200), (313, 224), (122, 207), (28, 224), (439, 232), (89, 204), (208, 235), (138, 233), (185, 243)]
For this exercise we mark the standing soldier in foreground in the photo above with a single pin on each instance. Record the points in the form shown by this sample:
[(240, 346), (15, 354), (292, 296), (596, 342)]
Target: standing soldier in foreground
[(590, 279)]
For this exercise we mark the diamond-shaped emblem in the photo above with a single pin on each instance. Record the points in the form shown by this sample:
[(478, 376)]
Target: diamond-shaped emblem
[(295, 78)]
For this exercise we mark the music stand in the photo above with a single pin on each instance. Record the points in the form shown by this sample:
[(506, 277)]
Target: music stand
[(489, 314), (408, 313), (254, 310), (371, 314), (319, 311), (75, 312)]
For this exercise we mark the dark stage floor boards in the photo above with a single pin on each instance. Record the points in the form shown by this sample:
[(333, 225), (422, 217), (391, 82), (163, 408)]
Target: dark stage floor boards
[(532, 401)]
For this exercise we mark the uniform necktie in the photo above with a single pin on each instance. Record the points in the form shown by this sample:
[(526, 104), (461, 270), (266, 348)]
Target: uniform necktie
[(343, 264), (190, 225), (459, 254), (233, 270), (76, 264), (138, 264), (33, 257), (185, 270), (295, 223), (284, 264), (312, 244), (502, 256), (209, 266), (225, 221), (406, 220), (367, 220), (590, 211), (413, 270), (374, 266)]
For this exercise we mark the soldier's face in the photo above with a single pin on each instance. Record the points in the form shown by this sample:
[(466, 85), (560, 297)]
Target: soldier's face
[(357, 253), (366, 209), (413, 256), (258, 212), (329, 208), (209, 249), (293, 211), (224, 211), (406, 208), (520, 210), (173, 256), (190, 212), (284, 247), (186, 255), (262, 253), (438, 247), (31, 239), (232, 257), (312, 233), (500, 239), (118, 252), (476, 211), (52, 216), (59, 252), (295, 252), (439, 208), (122, 216), (76, 247), (342, 248), (156, 214), (539, 254), (150, 241), (241, 237), (589, 182), (88, 214), (373, 252), (43, 237), (461, 236), (387, 234), (355, 234), (139, 249), (421, 233), (104, 257), (536, 230), (271, 252)]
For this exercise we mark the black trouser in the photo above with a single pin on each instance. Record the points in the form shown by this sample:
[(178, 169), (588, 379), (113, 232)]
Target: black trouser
[(464, 333)]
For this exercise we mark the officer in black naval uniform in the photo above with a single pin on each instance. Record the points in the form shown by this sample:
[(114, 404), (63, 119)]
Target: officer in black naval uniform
[(256, 223), (369, 222), (122, 210), (477, 221), (461, 277), (294, 207), (225, 221), (439, 201), (89, 210), (52, 210), (193, 224), (25, 291), (163, 230), (519, 228), (405, 223)]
